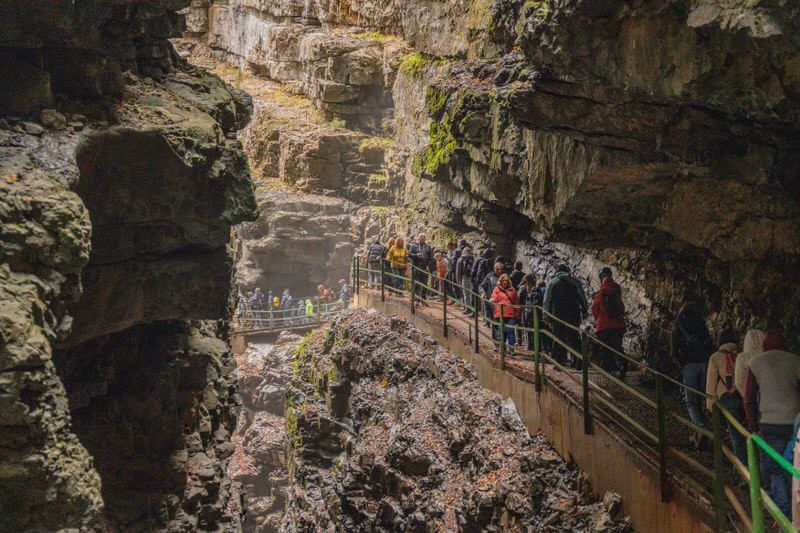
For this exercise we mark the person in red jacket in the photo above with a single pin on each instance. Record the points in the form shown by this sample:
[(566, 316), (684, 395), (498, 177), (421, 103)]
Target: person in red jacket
[(609, 322), (505, 295)]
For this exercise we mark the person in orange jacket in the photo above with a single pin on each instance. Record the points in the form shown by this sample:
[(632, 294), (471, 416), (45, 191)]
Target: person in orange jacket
[(504, 295)]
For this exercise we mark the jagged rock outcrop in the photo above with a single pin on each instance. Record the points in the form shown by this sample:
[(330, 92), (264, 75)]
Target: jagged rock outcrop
[(259, 460), (121, 176), (301, 240), (679, 175), (387, 432)]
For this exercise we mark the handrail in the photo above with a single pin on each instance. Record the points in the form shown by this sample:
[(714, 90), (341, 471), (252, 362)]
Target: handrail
[(759, 500), (271, 318)]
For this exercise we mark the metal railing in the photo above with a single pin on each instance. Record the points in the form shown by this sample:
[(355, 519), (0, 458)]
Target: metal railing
[(275, 319), (724, 497)]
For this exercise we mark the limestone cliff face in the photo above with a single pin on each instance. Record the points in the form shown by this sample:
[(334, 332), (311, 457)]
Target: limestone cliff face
[(627, 131), (659, 138), (121, 175)]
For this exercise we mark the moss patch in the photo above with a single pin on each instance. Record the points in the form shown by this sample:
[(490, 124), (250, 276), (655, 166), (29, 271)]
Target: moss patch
[(375, 143), (414, 63)]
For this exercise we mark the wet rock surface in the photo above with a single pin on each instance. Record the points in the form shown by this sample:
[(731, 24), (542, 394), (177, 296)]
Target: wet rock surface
[(388, 432), (259, 458), (121, 176)]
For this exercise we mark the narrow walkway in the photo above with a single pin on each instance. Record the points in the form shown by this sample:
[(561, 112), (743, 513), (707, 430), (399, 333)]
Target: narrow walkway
[(691, 470)]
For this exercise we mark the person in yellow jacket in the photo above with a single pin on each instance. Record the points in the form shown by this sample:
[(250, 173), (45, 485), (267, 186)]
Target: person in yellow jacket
[(398, 262), (309, 310)]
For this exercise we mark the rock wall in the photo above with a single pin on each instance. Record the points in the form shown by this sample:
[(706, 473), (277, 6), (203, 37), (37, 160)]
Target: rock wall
[(387, 432), (259, 461), (657, 138), (121, 176)]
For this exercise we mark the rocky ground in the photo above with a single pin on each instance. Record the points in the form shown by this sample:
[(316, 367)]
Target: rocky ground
[(259, 461), (388, 432)]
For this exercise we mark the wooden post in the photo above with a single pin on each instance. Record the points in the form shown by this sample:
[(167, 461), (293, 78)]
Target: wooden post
[(318, 310)]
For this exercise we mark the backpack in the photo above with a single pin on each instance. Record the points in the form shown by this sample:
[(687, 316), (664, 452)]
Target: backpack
[(730, 365), (376, 253), (466, 265), (566, 300), (481, 271), (613, 306)]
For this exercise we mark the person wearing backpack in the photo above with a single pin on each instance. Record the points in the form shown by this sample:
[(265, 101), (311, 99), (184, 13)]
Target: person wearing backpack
[(375, 254), (691, 347), (608, 311), (463, 279), (565, 300), (481, 268), (721, 385)]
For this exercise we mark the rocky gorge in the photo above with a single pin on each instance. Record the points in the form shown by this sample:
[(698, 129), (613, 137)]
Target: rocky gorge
[(148, 147), (658, 138)]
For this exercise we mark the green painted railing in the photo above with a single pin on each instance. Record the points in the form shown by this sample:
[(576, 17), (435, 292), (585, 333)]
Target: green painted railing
[(729, 509)]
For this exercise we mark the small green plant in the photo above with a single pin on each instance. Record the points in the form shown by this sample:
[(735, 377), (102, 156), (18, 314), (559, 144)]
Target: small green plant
[(441, 145), (413, 64), (539, 8), (436, 100), (337, 124)]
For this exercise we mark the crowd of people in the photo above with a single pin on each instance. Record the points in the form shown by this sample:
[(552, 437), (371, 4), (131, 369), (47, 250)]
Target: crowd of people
[(758, 384), (252, 306), (482, 282)]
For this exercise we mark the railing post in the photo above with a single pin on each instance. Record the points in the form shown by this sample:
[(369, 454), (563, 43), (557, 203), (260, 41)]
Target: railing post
[(661, 432), (383, 280), (719, 471), (502, 340), (353, 271), (413, 291), (476, 301), (537, 355), (318, 310), (756, 508), (444, 312), (587, 414), (358, 276)]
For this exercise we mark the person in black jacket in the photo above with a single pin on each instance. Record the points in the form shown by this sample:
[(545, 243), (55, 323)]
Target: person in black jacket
[(421, 256), (530, 294), (454, 252), (517, 275), (464, 280), (565, 300), (375, 254), (691, 347), (487, 288)]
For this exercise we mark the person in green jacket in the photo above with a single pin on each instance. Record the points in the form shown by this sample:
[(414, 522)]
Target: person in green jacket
[(309, 310)]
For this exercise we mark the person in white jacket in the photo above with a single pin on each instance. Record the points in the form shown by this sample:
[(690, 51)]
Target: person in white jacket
[(751, 347)]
